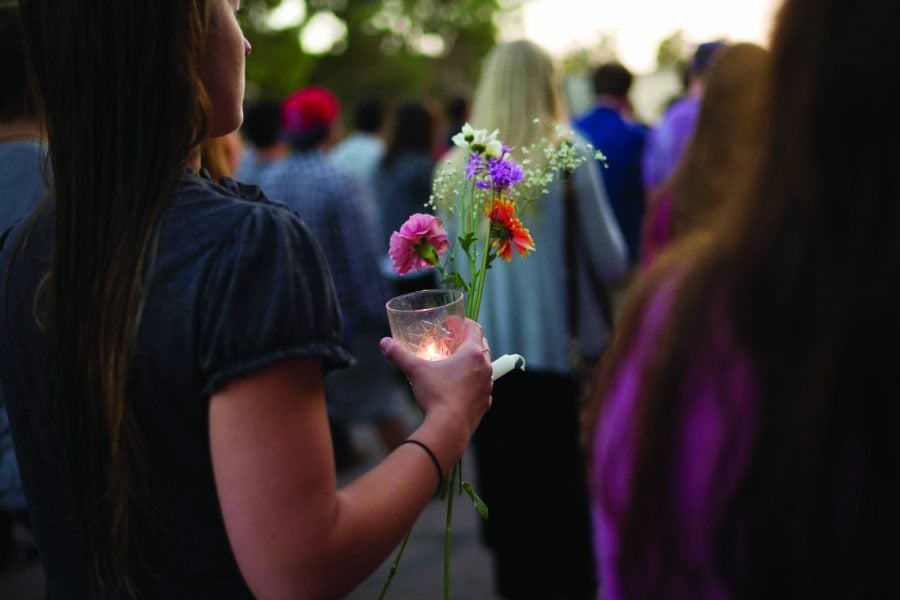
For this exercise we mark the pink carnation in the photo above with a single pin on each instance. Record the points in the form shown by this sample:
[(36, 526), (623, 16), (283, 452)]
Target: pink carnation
[(418, 229)]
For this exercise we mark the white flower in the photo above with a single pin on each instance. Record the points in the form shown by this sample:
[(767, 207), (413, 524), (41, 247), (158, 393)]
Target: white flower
[(479, 141), (493, 148), (464, 137)]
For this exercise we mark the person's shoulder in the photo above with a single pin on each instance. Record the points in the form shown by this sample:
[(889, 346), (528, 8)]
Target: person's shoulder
[(638, 127), (586, 118), (634, 130), (682, 109), (224, 204), (203, 189), (603, 121), (309, 164), (295, 173), (595, 118), (358, 140), (337, 178), (673, 108), (582, 143), (228, 223), (23, 148)]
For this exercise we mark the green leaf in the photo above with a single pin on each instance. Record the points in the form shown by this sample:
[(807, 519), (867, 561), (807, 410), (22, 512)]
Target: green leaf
[(466, 242), (479, 504)]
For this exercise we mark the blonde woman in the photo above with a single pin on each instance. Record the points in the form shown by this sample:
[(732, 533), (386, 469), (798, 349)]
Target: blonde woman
[(529, 468)]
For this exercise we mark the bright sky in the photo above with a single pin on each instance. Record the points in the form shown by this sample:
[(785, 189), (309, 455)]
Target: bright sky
[(557, 25), (641, 24)]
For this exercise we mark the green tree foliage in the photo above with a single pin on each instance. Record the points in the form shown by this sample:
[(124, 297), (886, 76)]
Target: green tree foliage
[(582, 59), (394, 48), (673, 51)]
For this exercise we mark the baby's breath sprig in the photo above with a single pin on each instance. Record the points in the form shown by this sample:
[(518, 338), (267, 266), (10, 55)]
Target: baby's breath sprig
[(542, 163)]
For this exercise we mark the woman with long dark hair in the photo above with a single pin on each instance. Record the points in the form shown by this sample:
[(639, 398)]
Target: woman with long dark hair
[(747, 443), (165, 337)]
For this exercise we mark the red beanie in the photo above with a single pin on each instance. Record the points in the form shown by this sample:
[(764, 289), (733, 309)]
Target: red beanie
[(308, 109)]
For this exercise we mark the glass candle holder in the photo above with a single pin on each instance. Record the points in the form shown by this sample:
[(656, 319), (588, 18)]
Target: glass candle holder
[(428, 322)]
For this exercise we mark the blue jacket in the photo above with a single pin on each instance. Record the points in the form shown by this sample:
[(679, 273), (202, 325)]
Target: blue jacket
[(623, 143)]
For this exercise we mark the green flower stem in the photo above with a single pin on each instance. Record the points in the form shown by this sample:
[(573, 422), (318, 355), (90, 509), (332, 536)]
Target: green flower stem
[(437, 265), (471, 209), (472, 227), (477, 280), (473, 292), (454, 475), (394, 566), (468, 207), (479, 288), (454, 483), (463, 212)]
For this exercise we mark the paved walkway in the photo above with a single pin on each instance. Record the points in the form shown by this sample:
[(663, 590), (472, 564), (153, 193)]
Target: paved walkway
[(420, 575)]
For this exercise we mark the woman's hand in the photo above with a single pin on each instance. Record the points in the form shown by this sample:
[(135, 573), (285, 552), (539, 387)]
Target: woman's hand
[(457, 388)]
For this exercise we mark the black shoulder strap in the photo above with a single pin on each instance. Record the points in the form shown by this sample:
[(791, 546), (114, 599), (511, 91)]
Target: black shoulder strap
[(597, 287), (571, 267)]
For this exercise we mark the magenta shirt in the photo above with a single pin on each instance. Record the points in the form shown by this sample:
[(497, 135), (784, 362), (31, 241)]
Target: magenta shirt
[(716, 428), (656, 233)]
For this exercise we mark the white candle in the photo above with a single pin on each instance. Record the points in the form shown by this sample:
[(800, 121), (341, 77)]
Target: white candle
[(505, 364)]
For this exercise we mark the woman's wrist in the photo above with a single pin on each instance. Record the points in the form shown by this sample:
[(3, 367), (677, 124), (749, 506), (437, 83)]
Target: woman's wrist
[(446, 437), (439, 471)]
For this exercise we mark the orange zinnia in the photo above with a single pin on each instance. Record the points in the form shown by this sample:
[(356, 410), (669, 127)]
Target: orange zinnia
[(507, 230)]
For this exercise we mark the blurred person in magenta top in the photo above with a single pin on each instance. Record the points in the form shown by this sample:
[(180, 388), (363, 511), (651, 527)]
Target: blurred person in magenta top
[(743, 437)]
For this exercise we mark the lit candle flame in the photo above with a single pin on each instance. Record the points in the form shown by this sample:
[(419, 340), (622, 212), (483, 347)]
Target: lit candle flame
[(431, 352)]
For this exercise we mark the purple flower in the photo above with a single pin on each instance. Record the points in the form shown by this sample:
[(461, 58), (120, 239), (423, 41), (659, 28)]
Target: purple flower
[(475, 167), (504, 172), (494, 173)]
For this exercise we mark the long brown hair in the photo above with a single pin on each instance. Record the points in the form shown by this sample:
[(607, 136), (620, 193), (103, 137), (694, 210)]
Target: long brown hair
[(125, 110), (726, 139), (807, 262)]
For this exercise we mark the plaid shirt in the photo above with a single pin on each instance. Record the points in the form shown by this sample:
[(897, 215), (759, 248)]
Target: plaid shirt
[(341, 213)]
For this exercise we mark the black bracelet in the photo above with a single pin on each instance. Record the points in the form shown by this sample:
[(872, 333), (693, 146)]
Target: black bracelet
[(437, 464)]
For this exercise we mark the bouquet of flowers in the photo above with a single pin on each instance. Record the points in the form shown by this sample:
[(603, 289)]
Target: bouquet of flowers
[(485, 193)]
